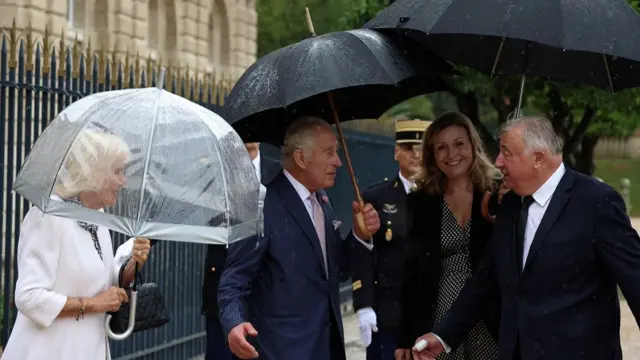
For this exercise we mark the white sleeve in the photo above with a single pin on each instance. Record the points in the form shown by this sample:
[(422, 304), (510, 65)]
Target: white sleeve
[(367, 244), (39, 249), (123, 253)]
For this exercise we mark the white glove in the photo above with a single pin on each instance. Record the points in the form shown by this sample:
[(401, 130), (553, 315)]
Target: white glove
[(368, 323)]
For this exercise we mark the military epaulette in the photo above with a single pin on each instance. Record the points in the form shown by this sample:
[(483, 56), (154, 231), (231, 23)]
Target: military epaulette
[(375, 184)]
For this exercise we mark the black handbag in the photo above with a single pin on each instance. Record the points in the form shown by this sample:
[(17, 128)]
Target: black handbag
[(150, 313)]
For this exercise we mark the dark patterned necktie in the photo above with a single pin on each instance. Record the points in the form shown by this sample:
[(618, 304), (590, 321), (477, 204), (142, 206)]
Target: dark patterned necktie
[(92, 229)]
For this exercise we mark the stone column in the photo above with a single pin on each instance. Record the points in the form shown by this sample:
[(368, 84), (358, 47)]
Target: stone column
[(245, 37)]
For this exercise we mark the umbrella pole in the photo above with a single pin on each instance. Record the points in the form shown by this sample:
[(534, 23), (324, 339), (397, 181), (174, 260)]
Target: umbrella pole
[(352, 174), (343, 143)]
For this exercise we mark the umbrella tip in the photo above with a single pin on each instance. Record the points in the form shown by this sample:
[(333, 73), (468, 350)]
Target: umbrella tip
[(161, 78)]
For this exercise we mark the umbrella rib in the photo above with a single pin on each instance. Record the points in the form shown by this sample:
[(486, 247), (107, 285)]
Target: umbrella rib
[(495, 62), (143, 183), (606, 67)]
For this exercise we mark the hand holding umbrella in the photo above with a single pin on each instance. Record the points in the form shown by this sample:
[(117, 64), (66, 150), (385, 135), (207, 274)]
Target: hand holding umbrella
[(155, 165)]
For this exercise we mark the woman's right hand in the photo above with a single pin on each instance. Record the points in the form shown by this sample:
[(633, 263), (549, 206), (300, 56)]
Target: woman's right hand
[(108, 301)]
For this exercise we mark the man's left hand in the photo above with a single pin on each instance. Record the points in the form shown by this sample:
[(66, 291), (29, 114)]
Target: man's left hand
[(371, 220)]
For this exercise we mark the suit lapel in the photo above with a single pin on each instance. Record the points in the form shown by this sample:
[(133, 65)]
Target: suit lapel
[(512, 229), (558, 200), (298, 211)]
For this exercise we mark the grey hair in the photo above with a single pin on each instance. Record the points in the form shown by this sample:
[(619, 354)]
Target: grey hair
[(538, 134), (88, 162), (298, 136)]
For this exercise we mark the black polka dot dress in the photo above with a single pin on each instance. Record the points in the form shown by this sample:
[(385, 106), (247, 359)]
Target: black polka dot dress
[(455, 271)]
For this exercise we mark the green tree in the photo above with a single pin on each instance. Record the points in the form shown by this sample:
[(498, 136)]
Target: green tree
[(283, 22), (581, 115)]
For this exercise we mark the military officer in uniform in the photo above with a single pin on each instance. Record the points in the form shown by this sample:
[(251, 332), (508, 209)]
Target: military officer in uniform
[(377, 273)]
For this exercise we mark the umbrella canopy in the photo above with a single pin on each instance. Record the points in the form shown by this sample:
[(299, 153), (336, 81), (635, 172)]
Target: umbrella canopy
[(594, 42), (366, 72), (188, 175)]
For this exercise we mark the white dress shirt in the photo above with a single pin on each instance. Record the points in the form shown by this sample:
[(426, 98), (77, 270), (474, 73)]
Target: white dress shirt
[(256, 166), (542, 198), (304, 194)]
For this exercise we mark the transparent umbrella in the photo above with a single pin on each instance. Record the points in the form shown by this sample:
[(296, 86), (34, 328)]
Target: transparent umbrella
[(185, 174)]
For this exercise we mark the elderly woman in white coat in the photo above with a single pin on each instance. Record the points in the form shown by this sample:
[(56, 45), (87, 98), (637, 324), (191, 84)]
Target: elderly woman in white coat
[(67, 276)]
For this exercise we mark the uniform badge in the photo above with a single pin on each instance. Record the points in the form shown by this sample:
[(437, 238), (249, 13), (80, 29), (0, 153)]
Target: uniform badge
[(388, 235), (356, 285), (390, 208)]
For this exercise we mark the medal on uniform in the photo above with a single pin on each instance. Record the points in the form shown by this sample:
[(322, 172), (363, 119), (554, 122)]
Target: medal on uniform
[(388, 235)]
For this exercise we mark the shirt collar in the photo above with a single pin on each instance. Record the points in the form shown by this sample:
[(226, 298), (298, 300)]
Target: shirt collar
[(544, 192), (302, 191), (406, 183), (256, 163)]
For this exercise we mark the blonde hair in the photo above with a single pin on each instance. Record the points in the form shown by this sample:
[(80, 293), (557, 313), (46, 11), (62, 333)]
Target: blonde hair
[(88, 162), (484, 174)]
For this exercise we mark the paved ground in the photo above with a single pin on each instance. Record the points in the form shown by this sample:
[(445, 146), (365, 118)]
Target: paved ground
[(628, 332)]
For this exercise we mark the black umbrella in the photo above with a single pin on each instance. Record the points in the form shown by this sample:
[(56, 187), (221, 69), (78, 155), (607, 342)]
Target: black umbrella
[(346, 75), (365, 71), (594, 42)]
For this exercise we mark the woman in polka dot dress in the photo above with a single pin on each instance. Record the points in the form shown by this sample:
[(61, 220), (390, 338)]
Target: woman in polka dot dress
[(447, 236)]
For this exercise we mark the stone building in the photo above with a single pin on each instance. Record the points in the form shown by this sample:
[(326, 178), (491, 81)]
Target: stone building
[(208, 36)]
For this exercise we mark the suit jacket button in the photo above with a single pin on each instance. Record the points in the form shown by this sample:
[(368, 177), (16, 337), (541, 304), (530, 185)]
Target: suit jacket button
[(213, 269)]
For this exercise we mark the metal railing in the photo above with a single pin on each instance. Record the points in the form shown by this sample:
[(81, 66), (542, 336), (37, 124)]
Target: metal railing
[(38, 79)]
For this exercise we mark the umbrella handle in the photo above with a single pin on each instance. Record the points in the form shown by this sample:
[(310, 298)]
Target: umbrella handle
[(133, 302)]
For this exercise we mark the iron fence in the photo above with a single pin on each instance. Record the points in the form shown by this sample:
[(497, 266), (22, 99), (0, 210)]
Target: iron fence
[(38, 79)]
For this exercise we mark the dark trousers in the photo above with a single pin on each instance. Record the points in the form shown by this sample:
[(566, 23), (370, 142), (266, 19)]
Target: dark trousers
[(217, 347), (383, 346), (516, 353)]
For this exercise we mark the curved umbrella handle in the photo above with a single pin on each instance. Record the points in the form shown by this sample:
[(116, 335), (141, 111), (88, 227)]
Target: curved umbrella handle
[(133, 302)]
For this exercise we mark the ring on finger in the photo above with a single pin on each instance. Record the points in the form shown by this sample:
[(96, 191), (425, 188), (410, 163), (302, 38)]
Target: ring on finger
[(140, 253)]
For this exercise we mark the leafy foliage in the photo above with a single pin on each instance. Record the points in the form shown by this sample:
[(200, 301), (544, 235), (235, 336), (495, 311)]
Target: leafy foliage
[(283, 22), (580, 114)]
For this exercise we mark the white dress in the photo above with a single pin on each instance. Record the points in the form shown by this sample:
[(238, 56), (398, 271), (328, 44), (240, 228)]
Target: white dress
[(56, 259)]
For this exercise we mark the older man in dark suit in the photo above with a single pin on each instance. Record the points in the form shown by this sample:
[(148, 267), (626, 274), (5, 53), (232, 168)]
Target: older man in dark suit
[(292, 311), (217, 348), (562, 244)]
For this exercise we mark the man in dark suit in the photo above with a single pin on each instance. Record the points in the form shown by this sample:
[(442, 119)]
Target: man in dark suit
[(217, 348), (562, 243), (377, 272), (295, 267)]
